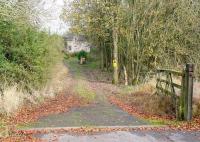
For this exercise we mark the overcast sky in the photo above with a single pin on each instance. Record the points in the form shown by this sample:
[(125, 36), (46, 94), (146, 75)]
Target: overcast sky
[(54, 22)]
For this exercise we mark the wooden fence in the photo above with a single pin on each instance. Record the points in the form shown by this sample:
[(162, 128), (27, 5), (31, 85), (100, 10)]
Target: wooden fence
[(181, 93)]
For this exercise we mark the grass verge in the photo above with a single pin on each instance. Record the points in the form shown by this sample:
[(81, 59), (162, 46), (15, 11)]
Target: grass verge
[(157, 110), (82, 90)]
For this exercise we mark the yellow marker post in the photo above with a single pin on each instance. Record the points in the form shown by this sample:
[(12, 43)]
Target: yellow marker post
[(115, 63)]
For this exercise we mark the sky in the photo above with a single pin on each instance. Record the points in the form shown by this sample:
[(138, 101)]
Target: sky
[(54, 23)]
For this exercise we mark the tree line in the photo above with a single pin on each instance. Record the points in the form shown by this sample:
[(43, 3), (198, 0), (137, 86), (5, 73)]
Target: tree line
[(135, 37)]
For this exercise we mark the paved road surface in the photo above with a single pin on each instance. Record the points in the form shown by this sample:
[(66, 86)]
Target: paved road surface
[(102, 113), (99, 113), (127, 137)]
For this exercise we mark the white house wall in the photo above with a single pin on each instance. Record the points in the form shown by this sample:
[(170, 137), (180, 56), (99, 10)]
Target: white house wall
[(76, 46)]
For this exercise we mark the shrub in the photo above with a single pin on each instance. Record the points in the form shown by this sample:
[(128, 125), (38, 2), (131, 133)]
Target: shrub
[(26, 55), (82, 54)]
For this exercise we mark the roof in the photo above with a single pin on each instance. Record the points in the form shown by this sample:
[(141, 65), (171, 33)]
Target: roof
[(70, 37)]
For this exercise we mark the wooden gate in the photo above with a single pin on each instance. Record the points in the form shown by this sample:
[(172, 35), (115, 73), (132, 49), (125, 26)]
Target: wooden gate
[(181, 93)]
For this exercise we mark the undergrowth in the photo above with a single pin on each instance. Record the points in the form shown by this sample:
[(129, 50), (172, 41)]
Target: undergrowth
[(144, 98)]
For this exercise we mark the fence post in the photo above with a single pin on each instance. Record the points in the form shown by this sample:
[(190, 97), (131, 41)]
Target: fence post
[(182, 97), (188, 91)]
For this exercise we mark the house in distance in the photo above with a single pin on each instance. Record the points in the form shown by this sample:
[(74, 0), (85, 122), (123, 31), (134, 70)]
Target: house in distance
[(76, 43)]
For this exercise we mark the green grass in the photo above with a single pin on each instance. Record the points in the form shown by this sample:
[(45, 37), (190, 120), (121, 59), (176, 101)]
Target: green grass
[(73, 62), (82, 90), (164, 122), (25, 126), (78, 69), (74, 66), (92, 65), (157, 122), (3, 128)]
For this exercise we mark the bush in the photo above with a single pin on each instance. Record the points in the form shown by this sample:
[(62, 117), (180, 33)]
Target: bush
[(26, 55), (82, 54)]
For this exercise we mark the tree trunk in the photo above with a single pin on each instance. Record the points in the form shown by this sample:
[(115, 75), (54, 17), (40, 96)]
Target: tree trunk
[(125, 75), (115, 57), (106, 59), (102, 56)]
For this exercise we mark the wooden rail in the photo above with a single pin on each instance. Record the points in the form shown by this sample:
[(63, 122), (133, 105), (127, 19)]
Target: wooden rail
[(178, 73), (167, 82), (182, 101)]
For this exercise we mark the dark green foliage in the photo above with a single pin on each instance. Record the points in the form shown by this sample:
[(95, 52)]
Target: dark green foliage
[(82, 54), (26, 55)]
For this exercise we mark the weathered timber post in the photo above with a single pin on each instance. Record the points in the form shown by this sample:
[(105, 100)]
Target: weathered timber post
[(82, 60), (181, 102), (178, 108), (188, 91)]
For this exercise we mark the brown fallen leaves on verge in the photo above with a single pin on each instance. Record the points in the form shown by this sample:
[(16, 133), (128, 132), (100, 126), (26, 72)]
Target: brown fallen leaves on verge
[(194, 125), (62, 103), (31, 113), (21, 139)]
